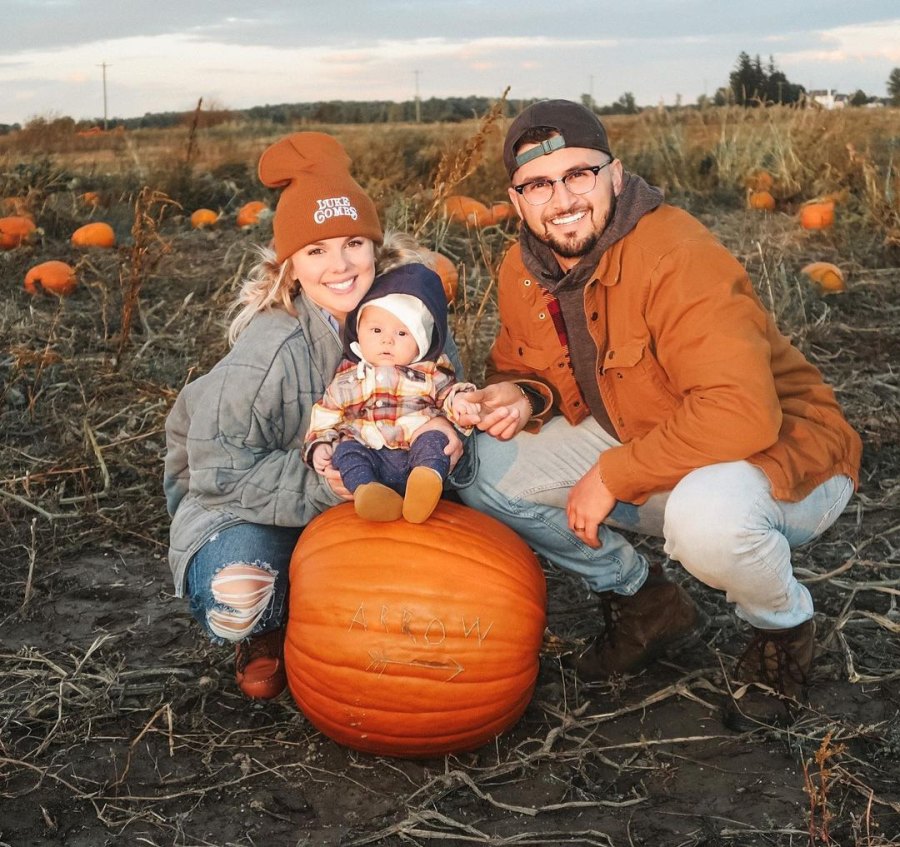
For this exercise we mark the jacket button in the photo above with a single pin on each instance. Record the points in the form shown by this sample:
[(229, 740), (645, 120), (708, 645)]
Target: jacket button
[(521, 351), (542, 316), (526, 282), (577, 403), (611, 354), (594, 316)]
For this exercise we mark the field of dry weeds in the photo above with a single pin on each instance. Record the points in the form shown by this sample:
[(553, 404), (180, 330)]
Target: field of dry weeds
[(120, 725)]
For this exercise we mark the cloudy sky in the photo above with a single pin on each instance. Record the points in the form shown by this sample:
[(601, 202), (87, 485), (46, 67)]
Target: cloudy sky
[(162, 55)]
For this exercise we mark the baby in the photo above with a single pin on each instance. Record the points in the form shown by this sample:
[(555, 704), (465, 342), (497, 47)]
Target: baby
[(394, 379)]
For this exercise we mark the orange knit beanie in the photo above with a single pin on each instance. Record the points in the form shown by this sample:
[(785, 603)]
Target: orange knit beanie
[(319, 198)]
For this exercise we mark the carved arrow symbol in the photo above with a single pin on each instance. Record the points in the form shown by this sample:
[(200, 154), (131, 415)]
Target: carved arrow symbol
[(380, 662)]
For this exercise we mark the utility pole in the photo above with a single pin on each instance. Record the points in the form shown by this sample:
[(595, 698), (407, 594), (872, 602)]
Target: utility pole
[(418, 100), (104, 66)]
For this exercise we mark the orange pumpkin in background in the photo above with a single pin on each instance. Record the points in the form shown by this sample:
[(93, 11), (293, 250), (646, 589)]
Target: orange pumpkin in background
[(502, 211), (447, 270), (761, 200), (759, 180), (468, 211), (248, 214), (15, 206), (51, 277), (15, 230), (827, 276), (90, 198), (818, 214), (97, 234), (203, 218), (413, 640)]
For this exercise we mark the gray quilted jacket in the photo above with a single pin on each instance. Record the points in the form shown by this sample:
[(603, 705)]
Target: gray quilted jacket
[(234, 436)]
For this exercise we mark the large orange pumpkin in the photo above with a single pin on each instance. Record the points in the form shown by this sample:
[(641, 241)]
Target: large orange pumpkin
[(446, 269), (248, 214), (51, 277), (14, 230), (203, 218), (97, 234), (817, 215), (466, 210), (413, 640)]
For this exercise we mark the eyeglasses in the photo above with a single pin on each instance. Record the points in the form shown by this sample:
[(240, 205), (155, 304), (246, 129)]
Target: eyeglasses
[(580, 181)]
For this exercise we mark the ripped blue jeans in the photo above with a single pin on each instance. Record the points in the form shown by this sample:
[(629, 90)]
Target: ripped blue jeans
[(269, 549)]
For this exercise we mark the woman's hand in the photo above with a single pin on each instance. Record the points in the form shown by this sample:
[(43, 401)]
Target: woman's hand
[(454, 448), (504, 409), (336, 483)]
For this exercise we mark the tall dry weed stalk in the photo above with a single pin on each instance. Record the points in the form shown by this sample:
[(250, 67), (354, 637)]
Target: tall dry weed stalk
[(817, 784), (147, 248), (459, 163)]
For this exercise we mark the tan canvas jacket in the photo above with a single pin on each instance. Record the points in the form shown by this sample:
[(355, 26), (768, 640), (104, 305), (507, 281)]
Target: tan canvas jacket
[(694, 371)]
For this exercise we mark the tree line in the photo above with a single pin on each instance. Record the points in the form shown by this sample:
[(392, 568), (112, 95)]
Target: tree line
[(751, 84)]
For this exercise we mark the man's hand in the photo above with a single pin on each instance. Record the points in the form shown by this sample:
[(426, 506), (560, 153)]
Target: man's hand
[(504, 409), (321, 456), (454, 448), (589, 503)]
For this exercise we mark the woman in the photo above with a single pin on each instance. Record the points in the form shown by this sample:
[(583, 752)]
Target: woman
[(236, 485)]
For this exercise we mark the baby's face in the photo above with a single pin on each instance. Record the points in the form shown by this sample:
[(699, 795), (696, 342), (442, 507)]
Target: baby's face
[(384, 339)]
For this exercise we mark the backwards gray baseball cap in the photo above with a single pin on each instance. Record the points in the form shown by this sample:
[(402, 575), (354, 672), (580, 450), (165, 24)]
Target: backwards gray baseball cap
[(576, 126)]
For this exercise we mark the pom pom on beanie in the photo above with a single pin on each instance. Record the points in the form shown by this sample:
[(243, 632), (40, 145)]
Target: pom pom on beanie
[(319, 199)]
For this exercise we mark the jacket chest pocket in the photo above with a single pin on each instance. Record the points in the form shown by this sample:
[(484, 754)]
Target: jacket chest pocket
[(640, 385)]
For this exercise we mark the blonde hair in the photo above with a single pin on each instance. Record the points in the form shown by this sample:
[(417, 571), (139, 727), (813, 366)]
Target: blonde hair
[(270, 285)]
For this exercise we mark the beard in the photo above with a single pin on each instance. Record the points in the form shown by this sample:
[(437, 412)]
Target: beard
[(576, 248)]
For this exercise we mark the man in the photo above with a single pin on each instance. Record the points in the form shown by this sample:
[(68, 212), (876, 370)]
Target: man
[(638, 383)]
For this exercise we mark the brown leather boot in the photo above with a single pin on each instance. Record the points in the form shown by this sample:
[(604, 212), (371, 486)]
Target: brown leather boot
[(779, 658), (659, 619), (259, 665)]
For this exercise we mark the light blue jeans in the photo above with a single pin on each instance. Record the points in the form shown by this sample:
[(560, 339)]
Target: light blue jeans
[(720, 522)]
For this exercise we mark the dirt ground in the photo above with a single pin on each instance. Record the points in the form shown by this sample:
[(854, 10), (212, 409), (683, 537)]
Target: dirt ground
[(120, 725)]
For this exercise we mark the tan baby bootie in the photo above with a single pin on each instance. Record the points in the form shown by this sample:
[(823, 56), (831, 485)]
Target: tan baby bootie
[(377, 502), (423, 491)]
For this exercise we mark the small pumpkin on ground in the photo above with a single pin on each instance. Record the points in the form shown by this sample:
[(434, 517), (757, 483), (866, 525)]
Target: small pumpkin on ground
[(90, 198), (467, 210), (413, 640), (97, 234), (203, 218), (447, 270), (502, 211), (762, 200), (53, 277), (15, 230), (817, 214), (829, 277), (249, 213), (759, 180)]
